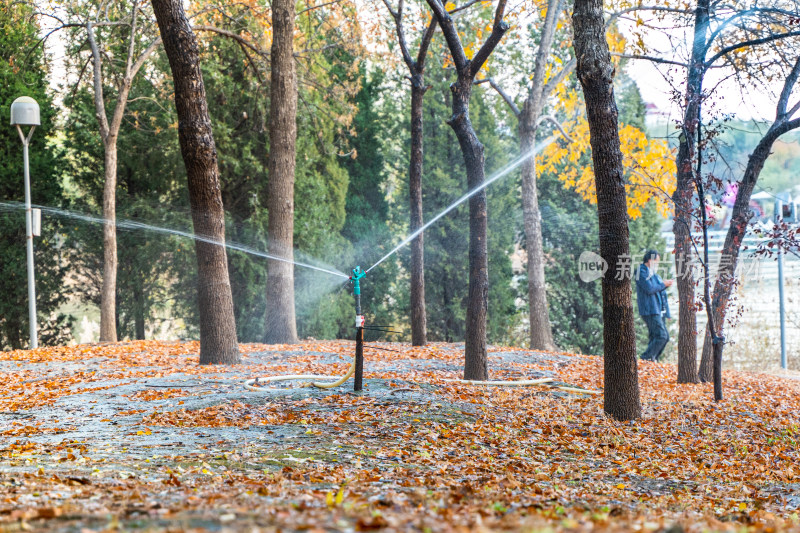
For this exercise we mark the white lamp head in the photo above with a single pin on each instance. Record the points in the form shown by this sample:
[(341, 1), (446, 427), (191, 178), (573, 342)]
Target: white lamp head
[(25, 112)]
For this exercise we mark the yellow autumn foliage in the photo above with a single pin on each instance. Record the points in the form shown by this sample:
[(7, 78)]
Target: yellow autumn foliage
[(649, 163)]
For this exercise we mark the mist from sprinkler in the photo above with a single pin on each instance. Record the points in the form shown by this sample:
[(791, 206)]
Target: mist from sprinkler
[(356, 368), (133, 225), (357, 273), (499, 174)]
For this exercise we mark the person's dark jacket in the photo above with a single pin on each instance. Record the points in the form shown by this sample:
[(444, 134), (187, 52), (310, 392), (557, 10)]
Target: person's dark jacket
[(651, 293)]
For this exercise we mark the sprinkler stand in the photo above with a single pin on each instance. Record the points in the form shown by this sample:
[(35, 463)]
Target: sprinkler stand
[(358, 378)]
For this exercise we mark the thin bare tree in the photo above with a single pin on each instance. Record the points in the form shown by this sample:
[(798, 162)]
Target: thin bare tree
[(109, 128), (416, 75), (722, 34), (785, 121), (529, 119), (475, 357)]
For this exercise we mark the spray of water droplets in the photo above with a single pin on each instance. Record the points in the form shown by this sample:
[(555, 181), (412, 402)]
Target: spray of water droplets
[(133, 225), (498, 175)]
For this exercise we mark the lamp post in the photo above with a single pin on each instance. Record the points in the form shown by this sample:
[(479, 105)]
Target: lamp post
[(25, 112)]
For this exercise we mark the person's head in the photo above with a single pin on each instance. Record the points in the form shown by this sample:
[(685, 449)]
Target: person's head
[(651, 258)]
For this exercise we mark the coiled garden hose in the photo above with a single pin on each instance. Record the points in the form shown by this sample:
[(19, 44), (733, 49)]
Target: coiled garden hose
[(254, 384)]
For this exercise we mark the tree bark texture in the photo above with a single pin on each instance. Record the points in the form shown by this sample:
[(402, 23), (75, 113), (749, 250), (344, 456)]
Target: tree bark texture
[(596, 74), (541, 330), (419, 321), (281, 324), (684, 208), (476, 364), (108, 295), (475, 356), (218, 343)]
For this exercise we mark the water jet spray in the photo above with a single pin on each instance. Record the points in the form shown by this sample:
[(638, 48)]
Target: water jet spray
[(357, 366)]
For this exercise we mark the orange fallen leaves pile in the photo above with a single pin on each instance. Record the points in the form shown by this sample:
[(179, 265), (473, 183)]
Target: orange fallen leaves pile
[(411, 453)]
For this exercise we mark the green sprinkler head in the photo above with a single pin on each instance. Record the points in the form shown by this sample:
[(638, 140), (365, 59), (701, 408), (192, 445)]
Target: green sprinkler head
[(355, 278)]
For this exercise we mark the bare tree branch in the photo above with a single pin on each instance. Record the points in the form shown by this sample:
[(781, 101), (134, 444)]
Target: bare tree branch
[(727, 22), (786, 92), (311, 8), (392, 12), (506, 97), (741, 14), (498, 30), (425, 44), (450, 33), (132, 44), (536, 95), (745, 44), (99, 101), (558, 78), (77, 84), (793, 109), (465, 6), (238, 38), (500, 12), (652, 59), (401, 35), (557, 124), (616, 14), (144, 55)]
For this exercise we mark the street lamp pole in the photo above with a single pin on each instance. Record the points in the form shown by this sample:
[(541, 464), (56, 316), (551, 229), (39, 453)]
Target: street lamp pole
[(25, 112)]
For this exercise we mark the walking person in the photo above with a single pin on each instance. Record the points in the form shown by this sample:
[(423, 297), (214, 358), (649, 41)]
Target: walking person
[(651, 293)]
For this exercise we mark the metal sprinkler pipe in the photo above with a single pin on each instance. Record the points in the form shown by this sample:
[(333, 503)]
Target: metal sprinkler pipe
[(359, 362)]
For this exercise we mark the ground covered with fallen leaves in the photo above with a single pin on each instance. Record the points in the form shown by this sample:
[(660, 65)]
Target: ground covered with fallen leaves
[(138, 437)]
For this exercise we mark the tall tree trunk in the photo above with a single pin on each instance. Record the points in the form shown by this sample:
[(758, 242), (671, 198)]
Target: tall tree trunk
[(682, 198), (740, 218), (281, 326), (108, 295), (416, 69), (419, 321), (109, 133), (596, 74), (541, 331), (475, 356), (218, 343), (138, 310)]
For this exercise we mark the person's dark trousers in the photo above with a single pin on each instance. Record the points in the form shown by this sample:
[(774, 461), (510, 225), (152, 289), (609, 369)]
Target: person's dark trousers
[(658, 337)]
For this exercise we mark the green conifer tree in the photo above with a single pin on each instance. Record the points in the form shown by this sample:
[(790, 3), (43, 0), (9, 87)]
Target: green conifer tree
[(23, 73)]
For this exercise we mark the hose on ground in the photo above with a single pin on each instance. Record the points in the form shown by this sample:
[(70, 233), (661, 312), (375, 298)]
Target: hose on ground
[(520, 383), (524, 383), (255, 383)]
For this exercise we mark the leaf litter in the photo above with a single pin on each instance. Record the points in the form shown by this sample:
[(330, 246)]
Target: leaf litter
[(137, 435)]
